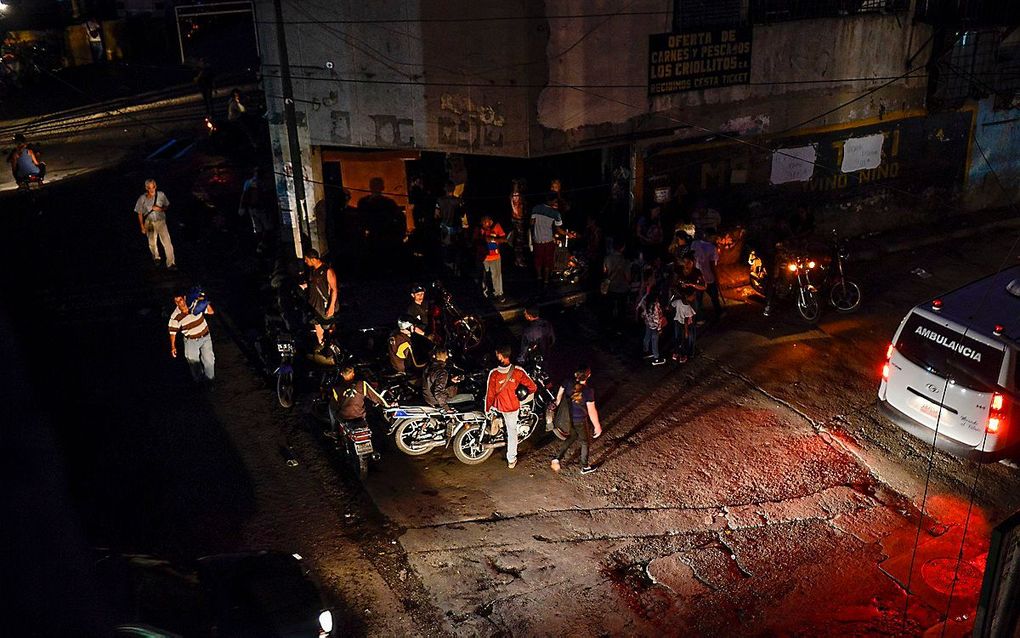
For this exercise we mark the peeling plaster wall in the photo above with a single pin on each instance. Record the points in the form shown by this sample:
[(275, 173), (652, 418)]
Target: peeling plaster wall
[(849, 47), (993, 159)]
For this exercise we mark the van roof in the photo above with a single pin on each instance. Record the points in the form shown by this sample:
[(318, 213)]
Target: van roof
[(983, 304)]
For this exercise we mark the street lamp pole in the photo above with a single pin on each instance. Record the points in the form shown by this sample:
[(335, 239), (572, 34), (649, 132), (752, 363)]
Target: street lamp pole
[(290, 116)]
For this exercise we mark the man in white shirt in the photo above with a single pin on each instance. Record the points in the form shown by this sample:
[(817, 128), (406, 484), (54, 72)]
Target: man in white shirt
[(151, 209)]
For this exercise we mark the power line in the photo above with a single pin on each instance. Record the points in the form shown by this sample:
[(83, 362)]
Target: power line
[(561, 16), (519, 85)]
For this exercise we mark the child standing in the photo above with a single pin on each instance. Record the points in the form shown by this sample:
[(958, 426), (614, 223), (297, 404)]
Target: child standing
[(683, 325), (655, 320)]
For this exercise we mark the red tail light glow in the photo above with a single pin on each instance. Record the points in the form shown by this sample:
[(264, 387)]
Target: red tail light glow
[(889, 351), (936, 305), (885, 372), (996, 414), (997, 330)]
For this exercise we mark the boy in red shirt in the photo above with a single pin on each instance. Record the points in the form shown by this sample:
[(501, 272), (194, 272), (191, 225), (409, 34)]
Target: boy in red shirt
[(501, 396)]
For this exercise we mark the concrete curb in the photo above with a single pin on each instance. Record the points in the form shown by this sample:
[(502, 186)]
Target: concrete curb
[(910, 244)]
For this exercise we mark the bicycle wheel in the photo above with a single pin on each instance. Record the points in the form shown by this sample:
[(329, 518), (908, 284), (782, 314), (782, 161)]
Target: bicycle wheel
[(285, 389)]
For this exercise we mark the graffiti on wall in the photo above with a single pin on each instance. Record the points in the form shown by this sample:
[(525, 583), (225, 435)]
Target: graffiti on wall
[(466, 124)]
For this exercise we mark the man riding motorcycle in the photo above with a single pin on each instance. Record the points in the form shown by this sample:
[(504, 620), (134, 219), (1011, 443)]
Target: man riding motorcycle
[(401, 352), (438, 386), (347, 400)]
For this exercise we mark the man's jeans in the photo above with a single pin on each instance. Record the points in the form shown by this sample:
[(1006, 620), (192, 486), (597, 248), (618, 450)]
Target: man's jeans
[(493, 268), (200, 357), (652, 341), (510, 422), (580, 430), (684, 345), (157, 230)]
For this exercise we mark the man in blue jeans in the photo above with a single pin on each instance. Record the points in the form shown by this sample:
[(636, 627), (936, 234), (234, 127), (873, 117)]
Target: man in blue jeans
[(198, 349)]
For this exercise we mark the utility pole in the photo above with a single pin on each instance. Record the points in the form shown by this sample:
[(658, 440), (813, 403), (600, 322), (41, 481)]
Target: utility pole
[(300, 213)]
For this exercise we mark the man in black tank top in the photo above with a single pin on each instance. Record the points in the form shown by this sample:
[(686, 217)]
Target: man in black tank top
[(322, 292)]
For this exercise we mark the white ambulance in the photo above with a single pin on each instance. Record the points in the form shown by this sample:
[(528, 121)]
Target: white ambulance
[(952, 371)]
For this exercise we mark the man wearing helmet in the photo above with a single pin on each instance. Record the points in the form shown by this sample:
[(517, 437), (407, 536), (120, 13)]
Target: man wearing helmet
[(401, 352)]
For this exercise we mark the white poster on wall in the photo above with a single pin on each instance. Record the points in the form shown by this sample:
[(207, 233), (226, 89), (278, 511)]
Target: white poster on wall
[(793, 164), (860, 153)]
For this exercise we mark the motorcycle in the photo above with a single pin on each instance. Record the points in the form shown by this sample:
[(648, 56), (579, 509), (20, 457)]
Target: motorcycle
[(794, 279), (569, 267), (473, 439), (811, 279), (355, 442), (460, 332), (419, 428)]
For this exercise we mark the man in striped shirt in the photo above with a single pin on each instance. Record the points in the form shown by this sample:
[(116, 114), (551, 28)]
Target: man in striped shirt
[(198, 349)]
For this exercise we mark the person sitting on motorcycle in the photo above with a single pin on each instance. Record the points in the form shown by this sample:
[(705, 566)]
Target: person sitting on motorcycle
[(347, 400), (25, 165), (438, 386), (401, 352)]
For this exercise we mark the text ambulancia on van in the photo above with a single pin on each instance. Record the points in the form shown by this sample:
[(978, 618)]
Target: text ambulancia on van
[(952, 370)]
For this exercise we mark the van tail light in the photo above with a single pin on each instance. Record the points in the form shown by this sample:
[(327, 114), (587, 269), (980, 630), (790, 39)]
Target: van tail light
[(885, 372), (996, 414), (885, 366), (889, 351)]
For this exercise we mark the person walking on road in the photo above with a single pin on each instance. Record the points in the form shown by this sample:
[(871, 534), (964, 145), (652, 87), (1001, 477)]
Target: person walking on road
[(579, 409), (188, 319), (501, 397), (151, 210)]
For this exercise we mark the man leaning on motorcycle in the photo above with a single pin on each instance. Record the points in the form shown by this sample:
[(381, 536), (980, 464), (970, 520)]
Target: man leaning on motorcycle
[(501, 397)]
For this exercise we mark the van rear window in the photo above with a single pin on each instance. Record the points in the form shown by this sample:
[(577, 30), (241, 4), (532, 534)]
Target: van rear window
[(950, 354)]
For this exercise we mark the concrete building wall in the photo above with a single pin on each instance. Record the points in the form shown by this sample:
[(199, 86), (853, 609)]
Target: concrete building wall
[(993, 178)]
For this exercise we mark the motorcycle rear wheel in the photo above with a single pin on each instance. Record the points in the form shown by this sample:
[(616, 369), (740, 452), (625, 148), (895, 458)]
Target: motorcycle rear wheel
[(470, 331), (406, 445), (358, 463), (808, 306), (467, 446), (285, 389), (845, 296)]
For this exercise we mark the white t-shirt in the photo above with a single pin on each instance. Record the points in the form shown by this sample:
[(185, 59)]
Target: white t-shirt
[(683, 310), (706, 255), (145, 203)]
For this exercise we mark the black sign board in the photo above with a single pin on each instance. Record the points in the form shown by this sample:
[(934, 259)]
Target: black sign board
[(706, 59)]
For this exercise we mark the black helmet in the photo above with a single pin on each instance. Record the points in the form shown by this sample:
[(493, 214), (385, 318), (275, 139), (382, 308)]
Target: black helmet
[(416, 288)]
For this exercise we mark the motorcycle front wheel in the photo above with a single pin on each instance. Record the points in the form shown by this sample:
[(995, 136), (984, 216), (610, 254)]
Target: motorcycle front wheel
[(467, 446), (285, 389), (406, 439), (845, 296), (470, 331), (808, 306)]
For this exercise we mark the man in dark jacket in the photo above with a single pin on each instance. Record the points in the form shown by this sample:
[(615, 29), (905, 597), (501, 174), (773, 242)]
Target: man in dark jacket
[(438, 386), (347, 400)]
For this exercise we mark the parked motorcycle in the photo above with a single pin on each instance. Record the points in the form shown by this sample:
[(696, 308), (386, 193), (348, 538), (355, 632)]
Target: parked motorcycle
[(569, 265), (460, 332), (418, 428), (809, 279)]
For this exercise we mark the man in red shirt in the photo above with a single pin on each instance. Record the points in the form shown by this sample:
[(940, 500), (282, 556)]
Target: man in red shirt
[(501, 396)]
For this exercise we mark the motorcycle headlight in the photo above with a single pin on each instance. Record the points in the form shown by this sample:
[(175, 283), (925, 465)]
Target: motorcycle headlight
[(792, 267), (811, 264)]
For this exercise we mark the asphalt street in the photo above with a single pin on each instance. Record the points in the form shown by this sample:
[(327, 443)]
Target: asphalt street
[(752, 491)]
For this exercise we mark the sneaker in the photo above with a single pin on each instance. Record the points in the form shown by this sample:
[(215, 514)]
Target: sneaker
[(157, 262), (512, 464), (555, 465), (648, 355), (172, 267), (675, 357), (682, 360), (587, 469), (766, 312), (292, 463), (658, 362)]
